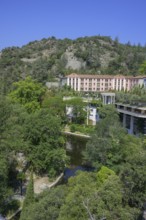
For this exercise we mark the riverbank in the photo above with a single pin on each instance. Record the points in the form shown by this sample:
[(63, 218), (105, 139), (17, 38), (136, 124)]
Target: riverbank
[(40, 184), (76, 134)]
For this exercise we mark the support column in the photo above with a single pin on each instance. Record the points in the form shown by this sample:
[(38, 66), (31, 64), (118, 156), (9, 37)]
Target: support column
[(75, 84), (105, 100), (131, 124), (103, 97), (124, 120)]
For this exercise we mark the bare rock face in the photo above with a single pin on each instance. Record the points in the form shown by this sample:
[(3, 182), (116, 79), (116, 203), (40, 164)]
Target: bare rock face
[(72, 62)]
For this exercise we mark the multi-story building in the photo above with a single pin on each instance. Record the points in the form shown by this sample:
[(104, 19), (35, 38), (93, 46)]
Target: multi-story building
[(100, 83), (133, 117)]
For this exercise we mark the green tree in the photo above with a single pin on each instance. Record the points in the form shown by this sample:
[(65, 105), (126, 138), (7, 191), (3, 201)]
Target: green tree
[(55, 103), (28, 93), (125, 154), (45, 143), (132, 170), (142, 69), (47, 205), (4, 190), (11, 141), (79, 113), (29, 197), (104, 145), (80, 188), (107, 111), (109, 201), (96, 196)]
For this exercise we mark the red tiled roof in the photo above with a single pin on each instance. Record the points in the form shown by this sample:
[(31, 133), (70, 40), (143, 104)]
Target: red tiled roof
[(74, 75), (86, 76), (140, 77)]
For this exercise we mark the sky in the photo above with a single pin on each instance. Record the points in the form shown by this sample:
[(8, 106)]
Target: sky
[(24, 21)]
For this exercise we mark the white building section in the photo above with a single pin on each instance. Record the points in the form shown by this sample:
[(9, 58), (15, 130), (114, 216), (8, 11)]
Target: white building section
[(91, 110), (101, 83), (108, 98)]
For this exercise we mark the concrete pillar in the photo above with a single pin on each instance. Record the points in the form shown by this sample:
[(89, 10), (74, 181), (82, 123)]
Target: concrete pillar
[(68, 82), (113, 99), (131, 124), (124, 120), (75, 84), (103, 99)]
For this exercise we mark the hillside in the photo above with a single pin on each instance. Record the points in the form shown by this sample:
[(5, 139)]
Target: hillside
[(49, 58)]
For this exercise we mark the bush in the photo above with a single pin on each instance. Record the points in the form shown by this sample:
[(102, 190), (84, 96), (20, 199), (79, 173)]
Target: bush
[(73, 128), (82, 128), (12, 207)]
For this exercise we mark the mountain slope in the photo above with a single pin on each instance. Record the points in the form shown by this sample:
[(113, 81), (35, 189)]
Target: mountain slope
[(50, 58)]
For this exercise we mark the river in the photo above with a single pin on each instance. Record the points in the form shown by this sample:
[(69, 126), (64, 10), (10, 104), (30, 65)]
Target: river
[(74, 148)]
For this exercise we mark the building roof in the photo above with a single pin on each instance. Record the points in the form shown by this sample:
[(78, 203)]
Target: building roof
[(87, 76), (74, 75), (140, 77)]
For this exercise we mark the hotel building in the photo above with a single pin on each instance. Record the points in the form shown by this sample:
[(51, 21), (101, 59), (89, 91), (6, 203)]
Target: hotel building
[(101, 83)]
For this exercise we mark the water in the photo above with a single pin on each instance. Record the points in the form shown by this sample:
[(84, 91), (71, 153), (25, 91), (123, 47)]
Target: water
[(74, 148)]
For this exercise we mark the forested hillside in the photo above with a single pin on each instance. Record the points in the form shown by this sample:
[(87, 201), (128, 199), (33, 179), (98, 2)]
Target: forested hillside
[(32, 144), (50, 58)]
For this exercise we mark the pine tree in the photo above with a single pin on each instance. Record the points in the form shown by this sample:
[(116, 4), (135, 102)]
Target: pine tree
[(29, 198)]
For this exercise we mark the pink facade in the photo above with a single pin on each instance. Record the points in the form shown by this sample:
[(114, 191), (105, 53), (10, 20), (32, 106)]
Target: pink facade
[(101, 83)]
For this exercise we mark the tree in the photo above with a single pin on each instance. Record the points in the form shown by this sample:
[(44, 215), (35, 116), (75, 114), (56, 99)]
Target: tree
[(45, 143), (47, 205), (142, 69), (29, 197), (55, 104), (107, 111), (40, 70), (109, 201), (79, 113), (132, 170), (4, 191), (11, 141), (28, 93), (125, 154), (80, 188), (104, 145), (96, 196)]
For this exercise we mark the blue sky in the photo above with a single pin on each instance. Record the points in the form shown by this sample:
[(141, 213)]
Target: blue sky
[(22, 21)]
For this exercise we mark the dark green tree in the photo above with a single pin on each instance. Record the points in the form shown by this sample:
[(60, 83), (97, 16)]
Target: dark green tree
[(78, 109), (96, 196), (45, 150), (29, 197), (4, 190), (103, 147), (47, 205)]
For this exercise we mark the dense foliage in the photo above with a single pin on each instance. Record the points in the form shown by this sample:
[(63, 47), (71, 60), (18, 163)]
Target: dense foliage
[(115, 190), (47, 59), (91, 196), (123, 153), (31, 121), (28, 93), (33, 132), (29, 197)]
